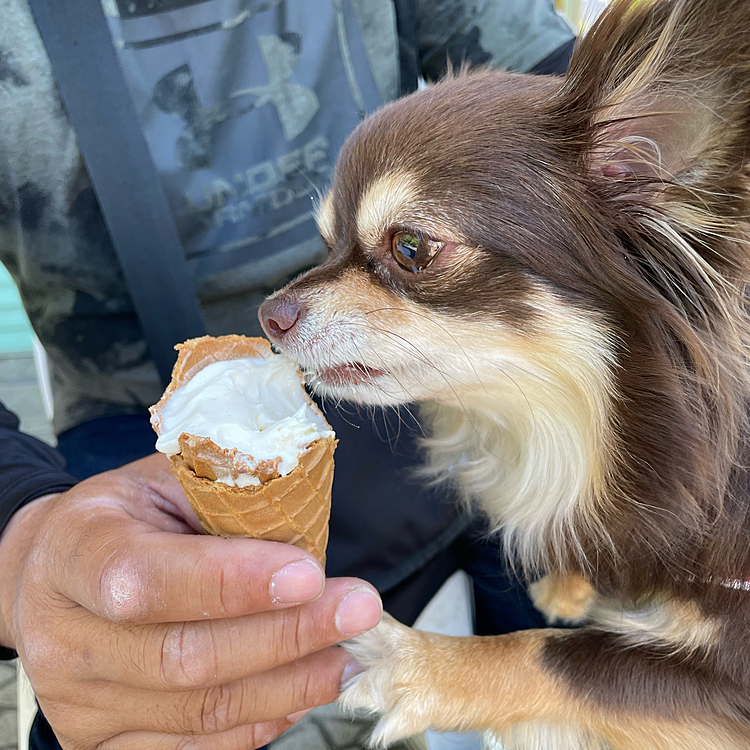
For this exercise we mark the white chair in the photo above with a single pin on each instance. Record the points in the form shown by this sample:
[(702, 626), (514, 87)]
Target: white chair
[(26, 706), (450, 612)]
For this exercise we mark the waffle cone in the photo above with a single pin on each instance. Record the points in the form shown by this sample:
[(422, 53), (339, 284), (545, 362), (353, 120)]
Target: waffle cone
[(294, 508)]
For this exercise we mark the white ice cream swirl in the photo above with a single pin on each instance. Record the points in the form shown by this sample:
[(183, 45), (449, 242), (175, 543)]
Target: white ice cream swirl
[(254, 405)]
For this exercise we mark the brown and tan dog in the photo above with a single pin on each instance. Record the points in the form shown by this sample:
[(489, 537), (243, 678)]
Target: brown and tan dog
[(557, 271)]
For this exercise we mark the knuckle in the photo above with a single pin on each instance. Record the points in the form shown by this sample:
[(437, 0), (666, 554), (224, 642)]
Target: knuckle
[(220, 709), (55, 646), (188, 656), (40, 660), (35, 656), (122, 590), (79, 666)]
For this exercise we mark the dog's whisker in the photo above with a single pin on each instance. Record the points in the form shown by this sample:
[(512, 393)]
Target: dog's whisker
[(444, 330)]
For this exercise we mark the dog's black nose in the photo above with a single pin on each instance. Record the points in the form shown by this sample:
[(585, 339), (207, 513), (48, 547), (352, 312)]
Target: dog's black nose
[(279, 315)]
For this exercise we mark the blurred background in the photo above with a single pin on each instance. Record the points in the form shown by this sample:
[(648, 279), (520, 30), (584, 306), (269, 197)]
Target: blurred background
[(581, 13)]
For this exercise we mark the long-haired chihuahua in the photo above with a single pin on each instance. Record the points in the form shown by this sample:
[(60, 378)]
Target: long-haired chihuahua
[(556, 270)]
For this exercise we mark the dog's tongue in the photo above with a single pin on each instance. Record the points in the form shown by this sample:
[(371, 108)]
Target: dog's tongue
[(351, 373)]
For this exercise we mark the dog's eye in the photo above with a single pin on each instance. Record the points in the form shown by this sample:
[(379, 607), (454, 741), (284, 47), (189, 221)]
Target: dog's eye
[(412, 252)]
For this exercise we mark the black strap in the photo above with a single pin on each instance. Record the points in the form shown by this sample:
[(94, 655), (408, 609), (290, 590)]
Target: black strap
[(101, 110)]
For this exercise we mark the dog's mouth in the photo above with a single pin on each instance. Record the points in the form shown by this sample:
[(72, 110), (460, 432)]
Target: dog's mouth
[(350, 373)]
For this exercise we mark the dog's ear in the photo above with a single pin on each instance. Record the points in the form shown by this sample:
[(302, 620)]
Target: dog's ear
[(653, 120), (658, 94), (654, 116)]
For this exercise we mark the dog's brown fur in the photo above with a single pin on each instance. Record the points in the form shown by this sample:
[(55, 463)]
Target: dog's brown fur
[(580, 345)]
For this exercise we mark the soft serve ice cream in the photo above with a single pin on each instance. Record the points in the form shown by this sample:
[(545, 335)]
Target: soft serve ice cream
[(252, 406), (251, 450)]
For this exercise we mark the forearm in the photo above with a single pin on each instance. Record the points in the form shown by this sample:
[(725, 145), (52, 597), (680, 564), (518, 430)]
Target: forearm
[(593, 687)]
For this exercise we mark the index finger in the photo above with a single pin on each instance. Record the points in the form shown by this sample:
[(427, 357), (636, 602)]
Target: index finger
[(180, 656), (126, 571)]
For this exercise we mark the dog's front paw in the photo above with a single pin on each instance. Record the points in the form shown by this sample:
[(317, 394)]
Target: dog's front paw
[(563, 598), (392, 684)]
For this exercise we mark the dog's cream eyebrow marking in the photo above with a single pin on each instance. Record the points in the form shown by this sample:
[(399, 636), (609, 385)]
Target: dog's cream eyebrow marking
[(324, 219), (385, 202)]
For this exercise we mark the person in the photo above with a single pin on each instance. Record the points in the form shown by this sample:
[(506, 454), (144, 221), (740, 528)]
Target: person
[(135, 630)]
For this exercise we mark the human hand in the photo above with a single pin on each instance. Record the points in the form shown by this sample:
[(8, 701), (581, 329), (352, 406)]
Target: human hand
[(138, 634)]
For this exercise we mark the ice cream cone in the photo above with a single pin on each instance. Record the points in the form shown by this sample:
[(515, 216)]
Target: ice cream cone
[(294, 508)]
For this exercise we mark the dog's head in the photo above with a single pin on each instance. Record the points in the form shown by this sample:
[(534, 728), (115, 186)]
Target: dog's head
[(567, 257), (429, 226), (452, 251), (496, 225)]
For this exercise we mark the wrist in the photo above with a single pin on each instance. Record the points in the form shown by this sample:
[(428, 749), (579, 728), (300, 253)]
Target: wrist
[(15, 544)]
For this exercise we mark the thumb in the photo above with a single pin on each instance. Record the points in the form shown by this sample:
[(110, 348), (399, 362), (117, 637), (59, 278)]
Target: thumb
[(125, 570), (157, 492)]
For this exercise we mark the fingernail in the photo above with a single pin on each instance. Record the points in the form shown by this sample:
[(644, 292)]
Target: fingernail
[(351, 670), (300, 581), (358, 611), (295, 717)]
